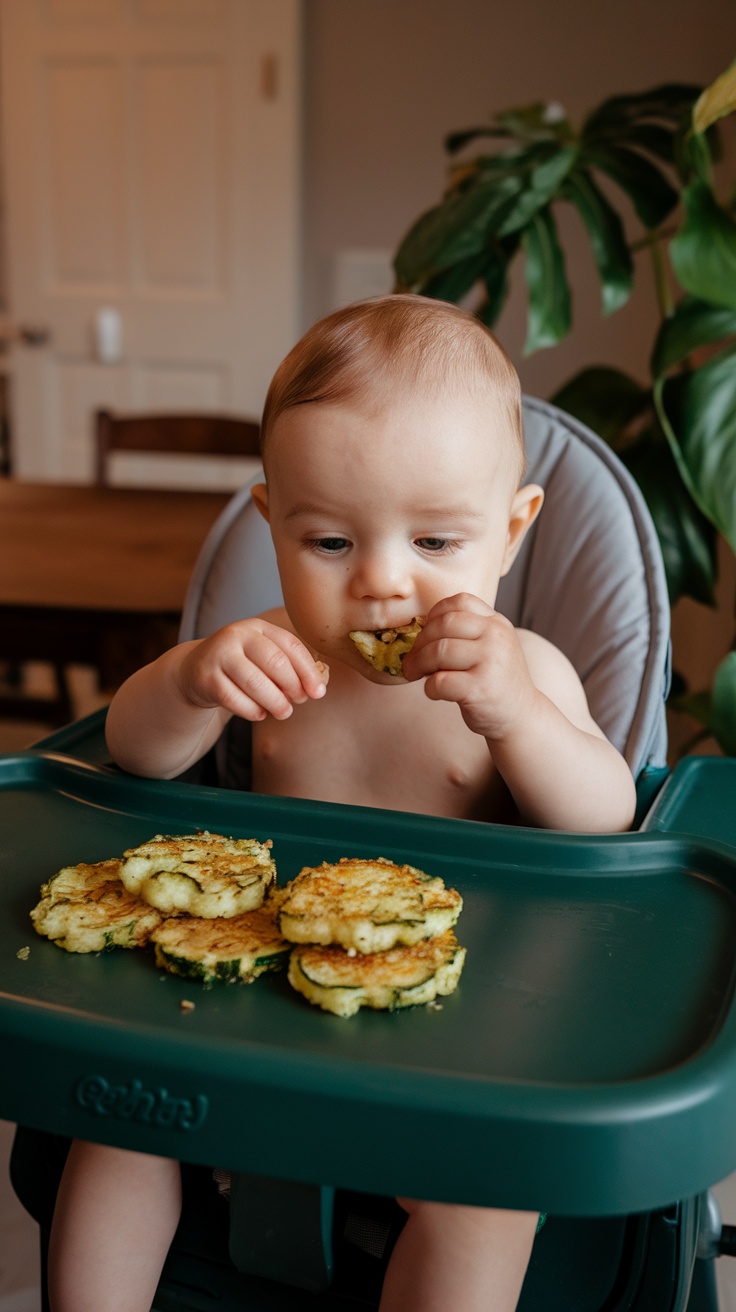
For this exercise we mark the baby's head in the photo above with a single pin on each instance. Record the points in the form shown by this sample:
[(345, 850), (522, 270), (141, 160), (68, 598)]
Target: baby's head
[(368, 353), (393, 450)]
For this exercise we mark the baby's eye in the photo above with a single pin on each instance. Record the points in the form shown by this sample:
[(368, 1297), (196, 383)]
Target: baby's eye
[(329, 545), (435, 545)]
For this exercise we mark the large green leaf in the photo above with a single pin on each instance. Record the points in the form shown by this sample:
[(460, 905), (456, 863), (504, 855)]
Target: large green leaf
[(687, 538), (456, 141), (723, 705), (669, 102), (469, 175), (650, 192), (495, 278), (651, 137), (535, 122), (693, 324), (698, 413), (703, 253), (540, 121), (496, 284), (496, 196), (452, 284), (607, 238), (607, 400), (453, 231), (540, 186), (549, 294)]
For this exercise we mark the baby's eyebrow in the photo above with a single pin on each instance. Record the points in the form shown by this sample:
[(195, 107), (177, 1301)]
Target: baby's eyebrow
[(305, 508), (448, 512)]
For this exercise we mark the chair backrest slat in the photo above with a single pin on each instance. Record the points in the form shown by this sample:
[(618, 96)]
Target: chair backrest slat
[(179, 434)]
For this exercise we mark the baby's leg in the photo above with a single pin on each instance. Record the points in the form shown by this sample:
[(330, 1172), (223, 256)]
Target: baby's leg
[(115, 1217), (473, 1258)]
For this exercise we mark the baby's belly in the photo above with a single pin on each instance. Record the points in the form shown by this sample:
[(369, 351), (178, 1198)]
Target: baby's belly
[(402, 780)]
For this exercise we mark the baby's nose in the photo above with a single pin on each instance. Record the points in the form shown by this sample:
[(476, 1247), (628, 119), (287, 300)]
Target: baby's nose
[(381, 575)]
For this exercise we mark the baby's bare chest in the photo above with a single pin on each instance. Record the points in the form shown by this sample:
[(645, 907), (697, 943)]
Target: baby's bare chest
[(395, 751)]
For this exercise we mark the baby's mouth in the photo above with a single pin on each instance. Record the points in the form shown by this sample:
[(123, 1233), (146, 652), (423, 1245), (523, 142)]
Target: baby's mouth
[(385, 649)]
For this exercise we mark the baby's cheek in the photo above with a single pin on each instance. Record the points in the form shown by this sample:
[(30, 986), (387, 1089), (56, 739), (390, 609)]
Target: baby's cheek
[(319, 638)]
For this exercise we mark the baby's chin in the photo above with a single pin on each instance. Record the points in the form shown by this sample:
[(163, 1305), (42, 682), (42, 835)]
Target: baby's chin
[(379, 676), (345, 654)]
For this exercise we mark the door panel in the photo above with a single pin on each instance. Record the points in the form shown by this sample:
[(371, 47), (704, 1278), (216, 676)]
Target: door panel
[(150, 168)]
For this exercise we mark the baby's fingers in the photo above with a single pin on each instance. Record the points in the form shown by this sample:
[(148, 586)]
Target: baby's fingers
[(313, 675), (465, 602), (276, 672), (251, 669), (446, 643)]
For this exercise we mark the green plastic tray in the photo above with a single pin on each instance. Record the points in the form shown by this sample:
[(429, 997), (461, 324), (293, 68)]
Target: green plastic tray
[(586, 1064), (699, 799)]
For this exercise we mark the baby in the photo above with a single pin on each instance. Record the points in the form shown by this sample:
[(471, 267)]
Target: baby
[(393, 455)]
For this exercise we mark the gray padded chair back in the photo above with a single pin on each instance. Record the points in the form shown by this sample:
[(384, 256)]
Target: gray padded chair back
[(589, 577)]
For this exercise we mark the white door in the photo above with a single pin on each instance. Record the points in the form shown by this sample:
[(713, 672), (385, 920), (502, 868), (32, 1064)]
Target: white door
[(150, 169)]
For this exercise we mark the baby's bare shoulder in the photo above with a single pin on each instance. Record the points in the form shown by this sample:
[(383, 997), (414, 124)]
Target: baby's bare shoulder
[(542, 655), (277, 615), (557, 678)]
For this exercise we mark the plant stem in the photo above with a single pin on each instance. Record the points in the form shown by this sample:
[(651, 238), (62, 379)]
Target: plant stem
[(644, 242), (661, 282)]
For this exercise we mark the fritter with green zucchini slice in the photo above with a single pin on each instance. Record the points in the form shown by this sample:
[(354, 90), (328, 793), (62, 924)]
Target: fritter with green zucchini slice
[(85, 908), (342, 983), (203, 874), (239, 948), (385, 649), (367, 905)]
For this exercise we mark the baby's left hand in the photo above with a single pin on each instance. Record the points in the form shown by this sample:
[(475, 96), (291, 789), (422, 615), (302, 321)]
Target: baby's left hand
[(470, 654)]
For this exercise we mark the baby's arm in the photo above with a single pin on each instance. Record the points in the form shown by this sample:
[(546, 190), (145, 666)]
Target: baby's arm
[(524, 697), (167, 715)]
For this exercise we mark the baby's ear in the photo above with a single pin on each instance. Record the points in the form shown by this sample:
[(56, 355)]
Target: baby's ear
[(259, 493), (525, 507)]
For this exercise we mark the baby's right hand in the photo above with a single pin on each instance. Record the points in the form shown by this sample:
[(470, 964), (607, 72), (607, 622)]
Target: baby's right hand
[(251, 669)]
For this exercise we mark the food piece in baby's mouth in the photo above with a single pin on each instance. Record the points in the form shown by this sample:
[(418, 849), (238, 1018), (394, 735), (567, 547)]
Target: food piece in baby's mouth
[(385, 649)]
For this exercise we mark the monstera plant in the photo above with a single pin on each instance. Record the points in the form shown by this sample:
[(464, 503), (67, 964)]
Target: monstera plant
[(675, 429)]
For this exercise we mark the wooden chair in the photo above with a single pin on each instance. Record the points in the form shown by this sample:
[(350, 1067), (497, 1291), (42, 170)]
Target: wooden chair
[(197, 434), (180, 434), (55, 710)]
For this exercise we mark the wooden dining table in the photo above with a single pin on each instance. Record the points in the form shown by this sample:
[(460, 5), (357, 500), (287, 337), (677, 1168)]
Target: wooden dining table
[(96, 576)]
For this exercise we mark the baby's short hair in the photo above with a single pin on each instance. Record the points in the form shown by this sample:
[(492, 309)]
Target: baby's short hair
[(433, 345)]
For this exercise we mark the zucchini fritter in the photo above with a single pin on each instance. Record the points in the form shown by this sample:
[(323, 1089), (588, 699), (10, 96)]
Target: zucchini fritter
[(385, 649), (368, 905), (85, 908), (238, 948), (202, 874), (401, 977)]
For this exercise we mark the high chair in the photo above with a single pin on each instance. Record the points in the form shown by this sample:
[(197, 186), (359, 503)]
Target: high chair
[(586, 1065)]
